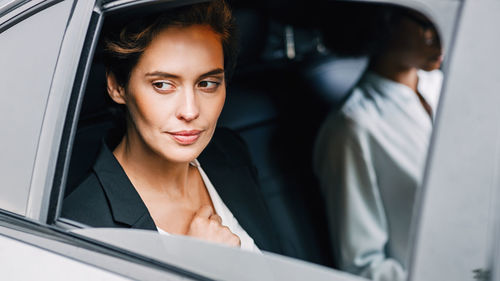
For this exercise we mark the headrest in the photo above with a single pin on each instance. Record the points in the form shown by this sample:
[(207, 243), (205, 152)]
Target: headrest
[(334, 77)]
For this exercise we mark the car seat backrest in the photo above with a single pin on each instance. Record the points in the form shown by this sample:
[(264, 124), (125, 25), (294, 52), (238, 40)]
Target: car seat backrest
[(333, 77)]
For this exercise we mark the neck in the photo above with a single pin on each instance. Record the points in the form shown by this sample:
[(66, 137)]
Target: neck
[(392, 69), (149, 171)]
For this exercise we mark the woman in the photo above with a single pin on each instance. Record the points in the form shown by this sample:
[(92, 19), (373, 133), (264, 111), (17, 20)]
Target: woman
[(170, 72), (370, 156)]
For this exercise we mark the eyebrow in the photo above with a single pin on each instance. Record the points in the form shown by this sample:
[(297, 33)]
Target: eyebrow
[(216, 71)]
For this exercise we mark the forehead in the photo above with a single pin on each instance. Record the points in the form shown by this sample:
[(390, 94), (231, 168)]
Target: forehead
[(193, 49), (416, 18)]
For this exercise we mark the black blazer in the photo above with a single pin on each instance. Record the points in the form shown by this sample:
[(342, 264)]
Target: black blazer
[(107, 198)]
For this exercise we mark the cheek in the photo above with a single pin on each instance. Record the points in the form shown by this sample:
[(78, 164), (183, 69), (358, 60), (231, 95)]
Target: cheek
[(213, 107), (146, 109), (220, 103)]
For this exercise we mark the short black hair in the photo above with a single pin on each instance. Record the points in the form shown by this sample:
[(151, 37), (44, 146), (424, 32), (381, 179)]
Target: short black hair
[(358, 29)]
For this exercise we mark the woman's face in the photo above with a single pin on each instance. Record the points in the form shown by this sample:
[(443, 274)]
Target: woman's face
[(176, 92), (416, 43)]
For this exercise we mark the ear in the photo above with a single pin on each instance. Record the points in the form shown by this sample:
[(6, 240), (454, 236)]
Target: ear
[(115, 91)]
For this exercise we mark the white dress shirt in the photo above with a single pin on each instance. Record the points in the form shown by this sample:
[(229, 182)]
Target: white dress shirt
[(221, 209), (369, 159)]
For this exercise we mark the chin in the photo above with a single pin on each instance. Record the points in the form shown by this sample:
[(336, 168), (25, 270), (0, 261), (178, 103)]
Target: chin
[(431, 66), (182, 154), (181, 157)]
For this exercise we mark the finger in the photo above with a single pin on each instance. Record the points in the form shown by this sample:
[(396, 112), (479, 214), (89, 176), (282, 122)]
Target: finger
[(237, 241), (204, 212), (234, 240), (216, 218)]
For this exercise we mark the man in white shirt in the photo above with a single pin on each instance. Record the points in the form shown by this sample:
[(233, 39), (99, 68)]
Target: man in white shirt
[(369, 157)]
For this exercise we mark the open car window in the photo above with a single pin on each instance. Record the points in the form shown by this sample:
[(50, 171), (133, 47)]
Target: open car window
[(91, 115), (88, 118)]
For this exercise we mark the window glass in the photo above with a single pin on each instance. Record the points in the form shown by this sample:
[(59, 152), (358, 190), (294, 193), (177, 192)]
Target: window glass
[(28, 55)]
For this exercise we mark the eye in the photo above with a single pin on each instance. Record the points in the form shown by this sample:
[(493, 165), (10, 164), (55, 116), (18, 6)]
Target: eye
[(207, 85), (163, 86)]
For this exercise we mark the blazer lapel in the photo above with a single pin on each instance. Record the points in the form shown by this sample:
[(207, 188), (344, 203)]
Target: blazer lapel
[(125, 203)]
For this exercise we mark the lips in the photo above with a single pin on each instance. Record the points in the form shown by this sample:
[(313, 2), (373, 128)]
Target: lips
[(185, 137)]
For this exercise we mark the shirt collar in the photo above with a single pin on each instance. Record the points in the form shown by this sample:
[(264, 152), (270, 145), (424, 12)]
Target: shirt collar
[(390, 88), (429, 86)]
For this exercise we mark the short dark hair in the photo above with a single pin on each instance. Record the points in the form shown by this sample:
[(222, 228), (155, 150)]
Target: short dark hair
[(359, 29), (124, 45)]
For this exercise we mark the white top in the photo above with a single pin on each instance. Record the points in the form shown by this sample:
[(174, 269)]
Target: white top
[(370, 159), (221, 209)]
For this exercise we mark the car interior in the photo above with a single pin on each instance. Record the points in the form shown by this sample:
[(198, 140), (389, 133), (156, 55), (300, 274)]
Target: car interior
[(285, 84)]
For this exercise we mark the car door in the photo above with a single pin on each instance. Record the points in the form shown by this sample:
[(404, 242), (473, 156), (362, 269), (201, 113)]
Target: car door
[(454, 224), (46, 50)]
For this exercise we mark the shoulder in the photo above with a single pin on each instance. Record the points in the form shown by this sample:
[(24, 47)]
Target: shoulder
[(87, 204), (348, 130), (355, 120), (366, 108), (362, 108)]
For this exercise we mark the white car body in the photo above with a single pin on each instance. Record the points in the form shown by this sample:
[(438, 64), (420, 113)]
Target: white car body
[(44, 45)]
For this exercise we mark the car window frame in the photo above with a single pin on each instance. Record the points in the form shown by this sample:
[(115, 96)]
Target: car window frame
[(73, 110), (71, 121)]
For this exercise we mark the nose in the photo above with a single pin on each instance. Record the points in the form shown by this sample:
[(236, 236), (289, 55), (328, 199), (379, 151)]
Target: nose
[(188, 108)]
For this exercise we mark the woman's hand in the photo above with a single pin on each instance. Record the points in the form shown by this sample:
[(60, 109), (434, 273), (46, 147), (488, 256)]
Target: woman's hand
[(207, 225)]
